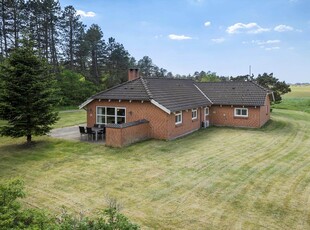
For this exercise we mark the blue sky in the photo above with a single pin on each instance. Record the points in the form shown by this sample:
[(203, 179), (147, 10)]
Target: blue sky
[(222, 36)]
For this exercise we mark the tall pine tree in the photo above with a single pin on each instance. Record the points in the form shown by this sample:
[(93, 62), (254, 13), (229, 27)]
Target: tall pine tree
[(27, 94)]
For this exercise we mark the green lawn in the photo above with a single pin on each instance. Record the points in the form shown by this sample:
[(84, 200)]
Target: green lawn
[(70, 118), (66, 118), (216, 178), (298, 99)]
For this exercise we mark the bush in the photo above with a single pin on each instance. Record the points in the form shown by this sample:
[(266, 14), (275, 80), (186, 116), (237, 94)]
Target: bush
[(13, 217)]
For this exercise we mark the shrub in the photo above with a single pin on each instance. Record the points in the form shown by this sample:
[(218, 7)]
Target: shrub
[(13, 217)]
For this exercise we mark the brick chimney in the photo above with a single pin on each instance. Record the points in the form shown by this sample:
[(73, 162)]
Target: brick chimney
[(133, 73)]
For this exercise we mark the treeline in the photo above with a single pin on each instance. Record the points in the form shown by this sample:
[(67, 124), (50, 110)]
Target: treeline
[(82, 60), (80, 57)]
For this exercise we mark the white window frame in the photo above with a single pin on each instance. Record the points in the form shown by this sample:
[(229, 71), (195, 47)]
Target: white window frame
[(106, 115), (207, 111), (241, 109), (178, 114), (194, 111)]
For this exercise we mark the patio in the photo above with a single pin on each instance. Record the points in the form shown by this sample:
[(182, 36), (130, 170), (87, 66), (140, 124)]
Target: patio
[(72, 133)]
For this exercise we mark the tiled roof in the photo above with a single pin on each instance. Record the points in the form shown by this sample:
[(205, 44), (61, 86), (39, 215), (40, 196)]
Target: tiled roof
[(180, 94), (130, 90), (175, 94), (245, 93)]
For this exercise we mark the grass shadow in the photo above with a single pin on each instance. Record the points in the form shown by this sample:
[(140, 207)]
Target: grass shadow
[(22, 146), (273, 125)]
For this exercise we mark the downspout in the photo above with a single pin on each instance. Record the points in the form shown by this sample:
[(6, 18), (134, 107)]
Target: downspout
[(200, 118)]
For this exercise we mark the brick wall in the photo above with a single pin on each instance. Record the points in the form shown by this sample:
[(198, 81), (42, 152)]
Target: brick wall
[(162, 125), (135, 110), (118, 136), (265, 112), (224, 116), (188, 124)]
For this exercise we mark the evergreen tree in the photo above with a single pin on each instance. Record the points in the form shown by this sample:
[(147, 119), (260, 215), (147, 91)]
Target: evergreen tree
[(12, 14), (72, 31), (146, 66), (117, 63), (270, 82), (43, 25), (96, 44), (27, 95)]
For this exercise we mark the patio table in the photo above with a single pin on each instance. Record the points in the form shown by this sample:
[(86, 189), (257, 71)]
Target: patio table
[(97, 130)]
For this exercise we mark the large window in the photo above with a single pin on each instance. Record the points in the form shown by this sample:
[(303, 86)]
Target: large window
[(194, 114), (241, 112), (178, 118), (114, 115)]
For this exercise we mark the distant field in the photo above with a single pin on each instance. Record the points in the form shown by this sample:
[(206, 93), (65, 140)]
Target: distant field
[(216, 178), (298, 99), (298, 92)]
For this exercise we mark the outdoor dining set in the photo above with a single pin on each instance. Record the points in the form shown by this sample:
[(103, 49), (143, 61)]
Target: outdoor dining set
[(93, 132)]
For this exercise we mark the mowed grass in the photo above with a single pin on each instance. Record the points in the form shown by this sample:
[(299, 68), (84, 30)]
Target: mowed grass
[(66, 118), (298, 99), (70, 118), (216, 178)]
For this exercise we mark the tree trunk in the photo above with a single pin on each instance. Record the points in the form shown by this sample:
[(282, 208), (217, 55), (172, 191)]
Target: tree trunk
[(4, 28), (28, 138), (16, 29), (71, 43)]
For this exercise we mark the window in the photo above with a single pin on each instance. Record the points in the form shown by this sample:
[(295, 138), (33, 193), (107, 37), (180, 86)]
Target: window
[(178, 118), (241, 112), (114, 115), (206, 111), (194, 114)]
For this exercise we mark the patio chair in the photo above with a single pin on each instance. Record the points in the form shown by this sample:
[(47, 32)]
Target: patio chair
[(90, 132), (82, 131), (101, 132)]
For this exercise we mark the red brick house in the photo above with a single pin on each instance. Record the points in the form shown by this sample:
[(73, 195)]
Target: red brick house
[(163, 108)]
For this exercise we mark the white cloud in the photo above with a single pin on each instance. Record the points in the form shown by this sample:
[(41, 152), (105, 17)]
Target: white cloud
[(262, 43), (272, 48), (82, 13), (283, 28), (207, 24), (178, 37), (250, 28), (218, 40)]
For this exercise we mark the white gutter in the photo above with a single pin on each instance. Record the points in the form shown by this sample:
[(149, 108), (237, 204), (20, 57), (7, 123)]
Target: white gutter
[(81, 106), (160, 106)]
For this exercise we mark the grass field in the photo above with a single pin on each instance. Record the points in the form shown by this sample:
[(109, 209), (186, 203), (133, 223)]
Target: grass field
[(70, 118), (298, 99), (66, 118), (216, 178)]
